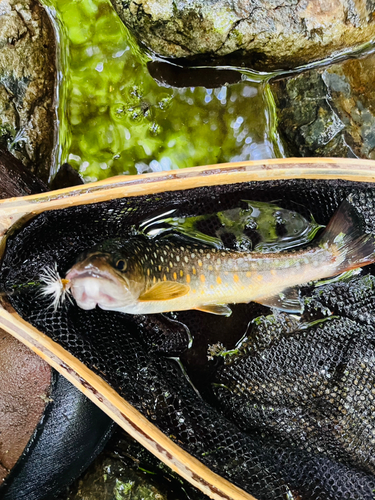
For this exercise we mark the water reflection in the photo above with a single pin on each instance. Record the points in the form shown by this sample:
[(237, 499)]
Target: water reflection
[(116, 118)]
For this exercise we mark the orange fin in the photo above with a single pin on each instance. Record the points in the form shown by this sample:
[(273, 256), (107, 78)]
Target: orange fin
[(166, 290), (288, 300), (219, 309)]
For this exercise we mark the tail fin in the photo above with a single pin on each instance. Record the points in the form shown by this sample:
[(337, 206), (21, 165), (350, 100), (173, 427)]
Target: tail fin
[(344, 231)]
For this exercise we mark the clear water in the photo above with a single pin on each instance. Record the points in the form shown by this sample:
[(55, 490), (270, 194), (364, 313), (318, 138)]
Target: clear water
[(116, 119), (255, 225)]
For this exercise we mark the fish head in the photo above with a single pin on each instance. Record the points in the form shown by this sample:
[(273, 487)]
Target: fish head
[(107, 276)]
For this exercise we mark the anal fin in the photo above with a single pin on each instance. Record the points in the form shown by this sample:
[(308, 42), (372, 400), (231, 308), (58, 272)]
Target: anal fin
[(288, 300), (219, 309)]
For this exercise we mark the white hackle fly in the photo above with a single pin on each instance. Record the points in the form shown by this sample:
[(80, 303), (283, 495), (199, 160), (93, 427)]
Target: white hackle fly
[(54, 287)]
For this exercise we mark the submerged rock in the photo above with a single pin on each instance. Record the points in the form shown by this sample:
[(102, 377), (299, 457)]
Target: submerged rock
[(127, 471), (267, 35), (329, 111), (27, 78)]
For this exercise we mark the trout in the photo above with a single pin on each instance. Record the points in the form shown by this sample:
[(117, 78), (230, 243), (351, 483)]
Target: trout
[(141, 275)]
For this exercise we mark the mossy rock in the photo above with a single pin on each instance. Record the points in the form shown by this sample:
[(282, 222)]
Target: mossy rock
[(27, 81), (265, 35)]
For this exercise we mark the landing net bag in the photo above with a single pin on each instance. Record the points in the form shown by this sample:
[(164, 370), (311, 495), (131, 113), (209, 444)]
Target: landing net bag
[(291, 413)]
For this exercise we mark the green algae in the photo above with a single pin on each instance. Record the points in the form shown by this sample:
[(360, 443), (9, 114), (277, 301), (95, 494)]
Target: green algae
[(116, 119)]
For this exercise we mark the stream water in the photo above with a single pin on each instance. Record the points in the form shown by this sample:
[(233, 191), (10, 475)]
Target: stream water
[(115, 118)]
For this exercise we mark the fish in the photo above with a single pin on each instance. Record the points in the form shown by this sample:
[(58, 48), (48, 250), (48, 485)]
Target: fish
[(142, 275)]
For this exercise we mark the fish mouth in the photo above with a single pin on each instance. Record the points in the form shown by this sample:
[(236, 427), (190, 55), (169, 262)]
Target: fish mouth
[(94, 266), (91, 286), (93, 272)]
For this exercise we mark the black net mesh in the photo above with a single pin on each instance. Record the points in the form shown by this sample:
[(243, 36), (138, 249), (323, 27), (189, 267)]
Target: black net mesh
[(290, 414)]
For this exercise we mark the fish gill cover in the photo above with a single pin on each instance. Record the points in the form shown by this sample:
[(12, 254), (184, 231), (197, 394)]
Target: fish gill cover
[(286, 407)]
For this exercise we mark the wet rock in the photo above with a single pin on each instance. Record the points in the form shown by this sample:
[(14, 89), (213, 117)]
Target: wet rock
[(329, 111), (266, 35), (127, 471), (109, 479), (27, 77), (15, 180), (66, 177)]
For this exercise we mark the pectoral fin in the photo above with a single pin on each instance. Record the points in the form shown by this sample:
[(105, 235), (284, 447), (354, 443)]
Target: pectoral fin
[(288, 300), (219, 309), (166, 290)]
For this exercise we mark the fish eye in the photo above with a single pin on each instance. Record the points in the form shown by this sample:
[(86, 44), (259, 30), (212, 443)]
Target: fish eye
[(120, 265)]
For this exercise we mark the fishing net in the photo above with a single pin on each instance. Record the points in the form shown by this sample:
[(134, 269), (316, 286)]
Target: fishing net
[(285, 408)]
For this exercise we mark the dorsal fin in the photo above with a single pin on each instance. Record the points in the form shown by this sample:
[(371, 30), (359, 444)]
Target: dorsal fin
[(165, 290)]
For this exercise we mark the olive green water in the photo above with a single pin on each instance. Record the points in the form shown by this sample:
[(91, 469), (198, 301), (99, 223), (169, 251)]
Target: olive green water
[(116, 119)]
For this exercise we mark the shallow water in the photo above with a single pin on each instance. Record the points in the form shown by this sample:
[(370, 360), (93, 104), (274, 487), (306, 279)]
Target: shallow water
[(115, 118), (252, 225)]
